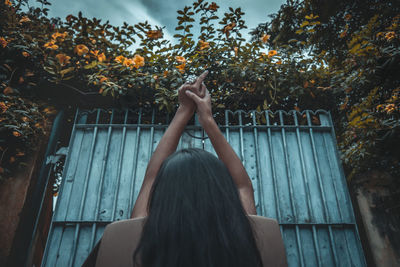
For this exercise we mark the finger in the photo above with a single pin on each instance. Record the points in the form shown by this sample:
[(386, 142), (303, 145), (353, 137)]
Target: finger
[(193, 96), (203, 89), (201, 78)]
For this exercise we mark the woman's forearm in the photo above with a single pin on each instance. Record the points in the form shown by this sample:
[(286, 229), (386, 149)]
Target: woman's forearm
[(165, 147), (235, 166)]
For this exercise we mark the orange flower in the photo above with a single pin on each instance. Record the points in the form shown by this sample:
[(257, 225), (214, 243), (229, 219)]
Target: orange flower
[(8, 90), (347, 17), (228, 28), (3, 42), (101, 57), (180, 59), (103, 79), (3, 107), (165, 73), (16, 133), (24, 19), (203, 45), (154, 34), (343, 34), (81, 49), (138, 60), (236, 51), (63, 59), (181, 68), (213, 6), (390, 35), (58, 34), (24, 118), (25, 54), (120, 59), (7, 3), (128, 62), (20, 154), (51, 45), (12, 159), (265, 38), (272, 53), (279, 62)]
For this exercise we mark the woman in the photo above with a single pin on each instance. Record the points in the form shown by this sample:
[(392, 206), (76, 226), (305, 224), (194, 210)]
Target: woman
[(193, 209)]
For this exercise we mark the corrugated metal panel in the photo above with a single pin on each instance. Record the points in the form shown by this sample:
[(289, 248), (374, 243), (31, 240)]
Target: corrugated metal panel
[(291, 158)]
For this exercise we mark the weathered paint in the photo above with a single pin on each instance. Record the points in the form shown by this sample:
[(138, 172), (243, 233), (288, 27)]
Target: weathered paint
[(294, 167)]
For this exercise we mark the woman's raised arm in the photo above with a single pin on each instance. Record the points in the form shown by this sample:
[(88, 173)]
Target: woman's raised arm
[(224, 150), (167, 144)]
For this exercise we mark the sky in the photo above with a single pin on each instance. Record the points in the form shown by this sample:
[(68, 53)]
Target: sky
[(158, 12)]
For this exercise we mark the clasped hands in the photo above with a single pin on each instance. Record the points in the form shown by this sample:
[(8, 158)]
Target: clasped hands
[(196, 97)]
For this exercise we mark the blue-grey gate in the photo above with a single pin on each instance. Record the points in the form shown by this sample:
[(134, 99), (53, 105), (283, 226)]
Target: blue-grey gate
[(291, 157)]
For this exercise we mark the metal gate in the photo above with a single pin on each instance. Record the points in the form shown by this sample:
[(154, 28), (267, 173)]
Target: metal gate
[(291, 158)]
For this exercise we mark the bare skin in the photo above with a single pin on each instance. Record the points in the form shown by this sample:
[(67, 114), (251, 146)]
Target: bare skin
[(194, 97)]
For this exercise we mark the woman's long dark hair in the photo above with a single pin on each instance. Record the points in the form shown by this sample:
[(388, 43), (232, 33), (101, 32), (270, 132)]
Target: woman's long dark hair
[(196, 217)]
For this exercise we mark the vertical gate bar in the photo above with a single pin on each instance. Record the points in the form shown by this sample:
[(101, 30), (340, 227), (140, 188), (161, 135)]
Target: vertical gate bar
[(133, 175), (120, 156), (303, 169), (85, 186), (316, 244), (59, 242), (276, 193), (242, 158), (227, 124), (258, 166), (333, 180), (65, 170), (347, 246), (332, 241), (100, 188), (316, 162), (289, 177), (299, 247)]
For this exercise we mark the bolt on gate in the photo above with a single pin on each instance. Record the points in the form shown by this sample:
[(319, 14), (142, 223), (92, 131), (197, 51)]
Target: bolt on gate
[(291, 158)]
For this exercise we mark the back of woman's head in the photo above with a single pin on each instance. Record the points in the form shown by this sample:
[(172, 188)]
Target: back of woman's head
[(195, 216)]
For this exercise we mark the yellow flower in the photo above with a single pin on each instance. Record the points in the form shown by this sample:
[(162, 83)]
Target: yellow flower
[(181, 68), (272, 53), (3, 42), (63, 59), (25, 54), (139, 61), (203, 45), (390, 35), (120, 59), (16, 133), (180, 59), (154, 34), (24, 19), (213, 6), (265, 38), (81, 49), (7, 3), (51, 45)]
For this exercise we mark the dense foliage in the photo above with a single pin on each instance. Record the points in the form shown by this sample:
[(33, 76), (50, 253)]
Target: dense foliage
[(341, 56), (358, 44)]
